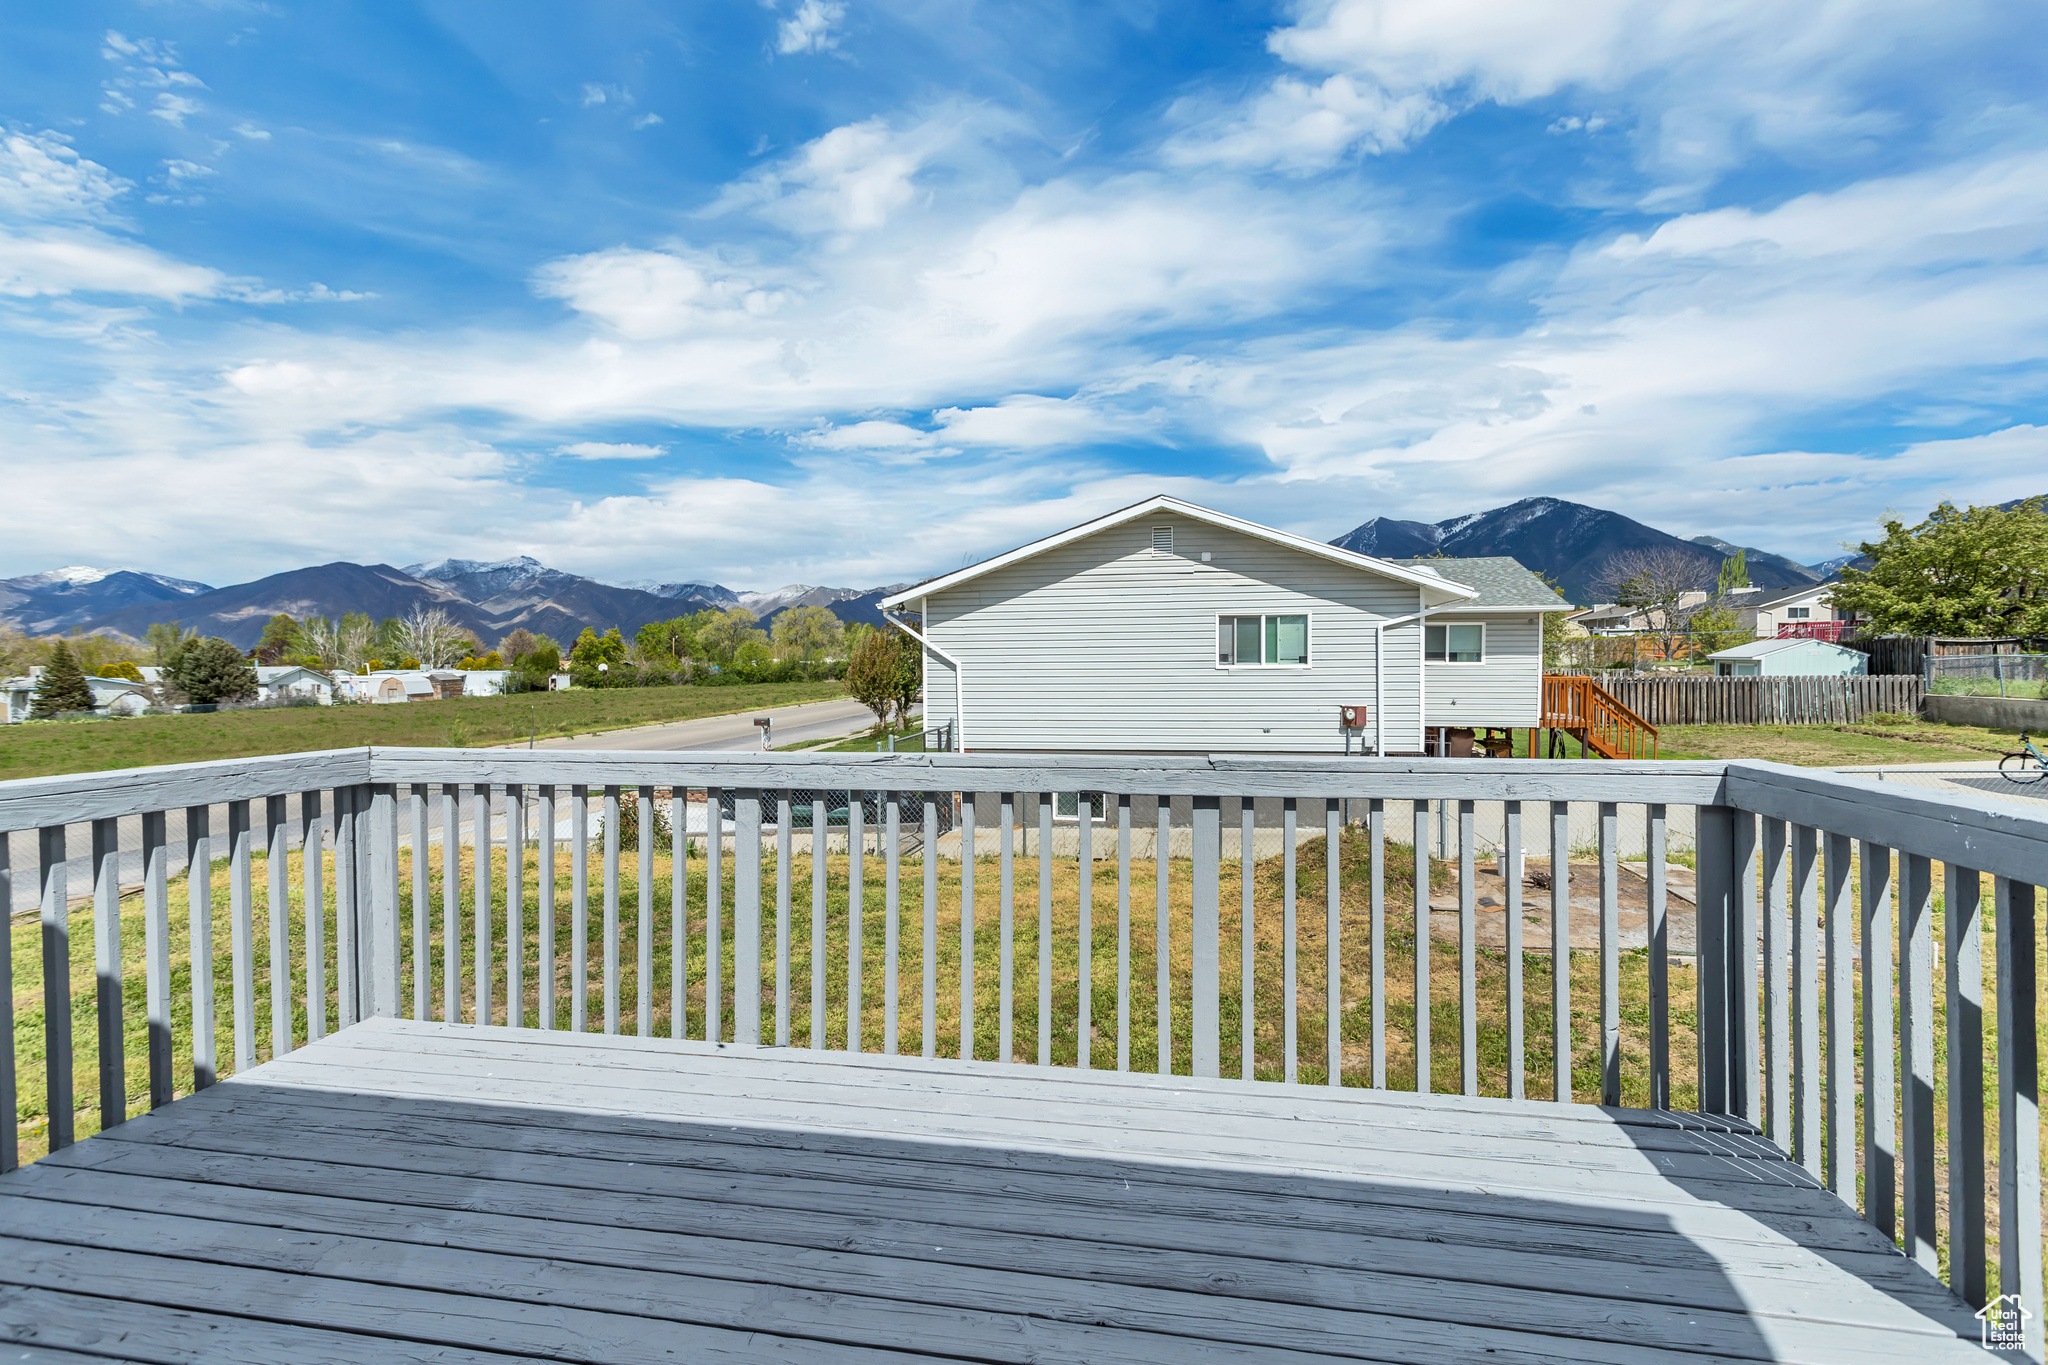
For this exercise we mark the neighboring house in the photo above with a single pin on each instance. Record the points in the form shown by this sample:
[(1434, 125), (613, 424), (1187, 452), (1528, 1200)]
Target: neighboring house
[(1612, 619), (110, 696), (289, 680), (1794, 611), (1170, 627), (438, 684), (1790, 656)]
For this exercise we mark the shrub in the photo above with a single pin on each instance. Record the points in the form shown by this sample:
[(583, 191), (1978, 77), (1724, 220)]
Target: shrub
[(629, 820)]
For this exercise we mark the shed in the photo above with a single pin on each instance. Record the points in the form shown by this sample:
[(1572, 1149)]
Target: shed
[(1169, 627), (1789, 656)]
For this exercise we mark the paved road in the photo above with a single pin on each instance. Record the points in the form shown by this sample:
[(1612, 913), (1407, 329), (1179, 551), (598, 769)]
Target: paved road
[(792, 725), (1979, 777)]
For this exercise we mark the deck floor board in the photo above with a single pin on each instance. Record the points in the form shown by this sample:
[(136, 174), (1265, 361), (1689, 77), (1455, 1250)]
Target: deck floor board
[(430, 1192)]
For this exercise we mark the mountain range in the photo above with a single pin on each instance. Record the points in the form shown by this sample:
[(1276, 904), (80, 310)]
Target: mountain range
[(1570, 543), (490, 598)]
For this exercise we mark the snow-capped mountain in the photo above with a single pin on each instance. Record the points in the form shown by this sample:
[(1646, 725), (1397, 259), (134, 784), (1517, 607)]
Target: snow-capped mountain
[(58, 599)]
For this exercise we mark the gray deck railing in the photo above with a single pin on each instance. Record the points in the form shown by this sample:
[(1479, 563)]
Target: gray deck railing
[(1815, 895)]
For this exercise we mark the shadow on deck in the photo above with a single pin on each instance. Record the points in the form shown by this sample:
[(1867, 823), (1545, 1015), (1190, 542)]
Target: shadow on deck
[(409, 1191)]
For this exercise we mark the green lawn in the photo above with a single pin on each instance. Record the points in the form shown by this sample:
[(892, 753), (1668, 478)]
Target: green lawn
[(38, 750), (1902, 740)]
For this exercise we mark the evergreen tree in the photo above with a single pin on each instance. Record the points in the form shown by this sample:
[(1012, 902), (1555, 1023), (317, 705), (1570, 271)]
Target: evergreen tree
[(62, 688), (212, 670)]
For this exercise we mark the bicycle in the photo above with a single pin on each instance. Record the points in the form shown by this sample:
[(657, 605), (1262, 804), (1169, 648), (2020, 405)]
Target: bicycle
[(2028, 765)]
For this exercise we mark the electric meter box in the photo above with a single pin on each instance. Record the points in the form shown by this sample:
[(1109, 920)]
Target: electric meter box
[(1352, 717)]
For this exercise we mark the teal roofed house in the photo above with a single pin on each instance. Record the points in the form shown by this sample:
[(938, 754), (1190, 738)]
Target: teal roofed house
[(1790, 657)]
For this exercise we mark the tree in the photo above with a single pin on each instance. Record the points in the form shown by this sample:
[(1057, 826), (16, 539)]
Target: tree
[(885, 673), (722, 636), (1656, 582), (1715, 628), (592, 649), (518, 644), (165, 639), (809, 632), (212, 670), (62, 688), (430, 635), (280, 637), (1978, 572), (1734, 574), (125, 670), (355, 641)]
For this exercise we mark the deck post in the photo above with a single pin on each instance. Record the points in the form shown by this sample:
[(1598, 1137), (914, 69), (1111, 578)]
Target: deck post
[(381, 937), (746, 917), (1208, 851), (1715, 849)]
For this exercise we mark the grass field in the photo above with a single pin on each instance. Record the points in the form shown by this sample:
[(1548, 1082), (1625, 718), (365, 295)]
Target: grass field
[(1270, 1005), (144, 741)]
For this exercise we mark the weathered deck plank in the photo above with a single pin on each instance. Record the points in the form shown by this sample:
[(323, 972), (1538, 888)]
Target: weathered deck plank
[(422, 1191)]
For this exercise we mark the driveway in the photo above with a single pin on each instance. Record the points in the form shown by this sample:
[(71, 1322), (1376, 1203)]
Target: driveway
[(792, 725), (1979, 777)]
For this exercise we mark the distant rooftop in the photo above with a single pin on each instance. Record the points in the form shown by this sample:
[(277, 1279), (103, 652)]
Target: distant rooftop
[(1501, 581)]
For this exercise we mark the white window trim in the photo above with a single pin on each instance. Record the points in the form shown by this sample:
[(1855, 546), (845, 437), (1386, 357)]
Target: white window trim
[(1216, 629), (1453, 663)]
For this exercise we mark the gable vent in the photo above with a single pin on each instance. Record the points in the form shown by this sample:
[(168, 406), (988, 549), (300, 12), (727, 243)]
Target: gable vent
[(1162, 540)]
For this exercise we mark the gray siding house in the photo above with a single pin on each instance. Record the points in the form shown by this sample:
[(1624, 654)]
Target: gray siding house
[(1168, 627)]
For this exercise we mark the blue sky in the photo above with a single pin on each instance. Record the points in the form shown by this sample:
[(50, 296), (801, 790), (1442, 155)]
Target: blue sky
[(853, 291)]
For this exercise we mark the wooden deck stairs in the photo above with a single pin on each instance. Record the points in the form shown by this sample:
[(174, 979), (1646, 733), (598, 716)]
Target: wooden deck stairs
[(1591, 714)]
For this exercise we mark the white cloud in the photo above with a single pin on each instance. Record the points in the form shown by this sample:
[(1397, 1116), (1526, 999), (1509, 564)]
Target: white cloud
[(646, 121), (612, 450), (174, 109), (592, 95), (62, 241), (1299, 126), (648, 294), (850, 180), (810, 28), (42, 178), (252, 133)]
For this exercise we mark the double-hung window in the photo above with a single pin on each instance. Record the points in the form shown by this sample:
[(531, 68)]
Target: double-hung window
[(1262, 641), (1454, 644)]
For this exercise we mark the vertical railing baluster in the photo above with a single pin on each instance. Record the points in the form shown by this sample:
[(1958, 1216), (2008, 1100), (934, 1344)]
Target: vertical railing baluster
[(1511, 896), (856, 914), (312, 858), (1290, 1012), (821, 817), (1916, 1055), (579, 910), (277, 864), (1610, 954), (783, 842), (643, 974), (480, 850), (1963, 924), (1006, 929), (1376, 836), (1420, 831), (422, 899), (1714, 887), (241, 930), (1880, 1126), (1123, 931), (515, 904), (1777, 977), (106, 948), (1656, 832), (1841, 1013), (1468, 952), (156, 960), (2019, 1103), (10, 1098), (382, 935), (199, 941), (746, 916), (1333, 942), (1806, 1005), (544, 906), (1163, 935), (362, 803), (714, 906), (1045, 804), (930, 956), (1247, 963), (1206, 986), (451, 903), (1084, 882), (966, 927), (56, 926), (1744, 989), (892, 854), (1561, 950), (678, 913), (611, 909)]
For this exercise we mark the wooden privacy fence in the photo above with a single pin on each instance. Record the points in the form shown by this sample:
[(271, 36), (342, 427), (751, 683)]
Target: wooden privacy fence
[(1764, 701), (1910, 653), (1821, 904)]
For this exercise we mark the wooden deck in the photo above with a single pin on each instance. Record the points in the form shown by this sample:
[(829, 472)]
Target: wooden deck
[(408, 1191)]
